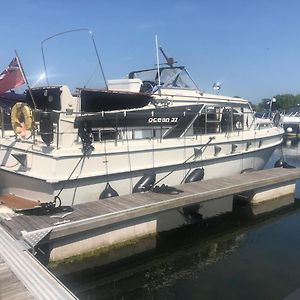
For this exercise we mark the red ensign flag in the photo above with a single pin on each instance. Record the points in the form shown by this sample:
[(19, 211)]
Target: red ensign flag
[(11, 77)]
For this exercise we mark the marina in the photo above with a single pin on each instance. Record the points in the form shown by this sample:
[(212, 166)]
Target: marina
[(150, 151), (142, 155), (184, 155), (153, 126)]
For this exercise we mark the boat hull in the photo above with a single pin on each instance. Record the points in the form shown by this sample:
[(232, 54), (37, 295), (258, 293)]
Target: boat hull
[(81, 190), (291, 129)]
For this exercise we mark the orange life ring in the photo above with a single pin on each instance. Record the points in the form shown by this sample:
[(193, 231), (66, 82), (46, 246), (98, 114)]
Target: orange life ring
[(21, 118)]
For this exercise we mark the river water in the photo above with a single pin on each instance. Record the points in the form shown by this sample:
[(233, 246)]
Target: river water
[(246, 254)]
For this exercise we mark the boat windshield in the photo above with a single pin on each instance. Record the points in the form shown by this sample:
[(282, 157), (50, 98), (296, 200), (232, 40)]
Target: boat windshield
[(173, 77)]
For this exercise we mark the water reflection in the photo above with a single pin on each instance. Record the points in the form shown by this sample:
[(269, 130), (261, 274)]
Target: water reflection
[(291, 150), (181, 255), (291, 142), (250, 253), (248, 211), (178, 256)]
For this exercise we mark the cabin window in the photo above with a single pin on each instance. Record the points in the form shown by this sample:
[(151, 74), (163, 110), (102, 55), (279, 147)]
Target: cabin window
[(148, 133), (213, 117), (227, 119), (142, 134), (129, 134), (248, 117), (209, 121), (238, 118), (105, 135), (199, 125), (217, 119), (96, 135)]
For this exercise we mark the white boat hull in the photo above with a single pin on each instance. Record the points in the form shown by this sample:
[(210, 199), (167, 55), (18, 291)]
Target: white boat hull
[(82, 190)]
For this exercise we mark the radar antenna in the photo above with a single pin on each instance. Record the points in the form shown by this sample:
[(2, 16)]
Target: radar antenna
[(170, 61)]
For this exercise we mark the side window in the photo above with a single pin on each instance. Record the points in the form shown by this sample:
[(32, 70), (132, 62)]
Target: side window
[(217, 119), (213, 119), (199, 125), (238, 118), (208, 121), (248, 117), (108, 135), (227, 119)]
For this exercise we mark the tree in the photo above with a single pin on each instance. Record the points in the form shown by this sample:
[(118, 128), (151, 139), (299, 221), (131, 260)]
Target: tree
[(283, 102), (254, 106), (264, 104)]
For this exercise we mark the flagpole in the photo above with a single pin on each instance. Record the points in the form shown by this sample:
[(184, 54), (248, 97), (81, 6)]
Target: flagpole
[(25, 78)]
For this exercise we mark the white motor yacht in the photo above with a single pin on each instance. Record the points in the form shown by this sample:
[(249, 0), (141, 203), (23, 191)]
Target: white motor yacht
[(153, 128), (102, 143), (291, 121)]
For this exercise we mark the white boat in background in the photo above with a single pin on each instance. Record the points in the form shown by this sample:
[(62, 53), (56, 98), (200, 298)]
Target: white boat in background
[(154, 127), (291, 121)]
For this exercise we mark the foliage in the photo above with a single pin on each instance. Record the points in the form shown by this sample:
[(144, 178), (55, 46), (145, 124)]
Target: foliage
[(283, 102), (254, 106)]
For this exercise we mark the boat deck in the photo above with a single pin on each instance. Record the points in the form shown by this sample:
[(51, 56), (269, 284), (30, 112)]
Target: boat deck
[(106, 212)]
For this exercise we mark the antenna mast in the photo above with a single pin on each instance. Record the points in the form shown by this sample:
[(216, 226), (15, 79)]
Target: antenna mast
[(157, 61)]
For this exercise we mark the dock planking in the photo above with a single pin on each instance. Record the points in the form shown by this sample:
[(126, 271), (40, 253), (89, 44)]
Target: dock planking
[(10, 286), (22, 276), (106, 212)]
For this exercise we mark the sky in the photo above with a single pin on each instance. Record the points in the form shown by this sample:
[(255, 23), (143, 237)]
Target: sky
[(252, 47)]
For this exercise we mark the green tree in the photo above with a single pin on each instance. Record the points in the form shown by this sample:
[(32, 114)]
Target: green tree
[(264, 104), (254, 106), (283, 102)]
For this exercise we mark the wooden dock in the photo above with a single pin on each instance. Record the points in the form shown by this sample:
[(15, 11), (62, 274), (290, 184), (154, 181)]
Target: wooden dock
[(10, 286), (97, 214), (24, 277)]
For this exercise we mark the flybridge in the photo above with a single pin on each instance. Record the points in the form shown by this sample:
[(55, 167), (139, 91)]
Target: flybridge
[(175, 77)]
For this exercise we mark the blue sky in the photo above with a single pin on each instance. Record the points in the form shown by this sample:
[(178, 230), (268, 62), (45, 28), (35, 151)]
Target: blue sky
[(252, 47)]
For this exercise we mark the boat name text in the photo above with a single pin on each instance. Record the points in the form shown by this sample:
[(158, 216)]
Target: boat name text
[(163, 120)]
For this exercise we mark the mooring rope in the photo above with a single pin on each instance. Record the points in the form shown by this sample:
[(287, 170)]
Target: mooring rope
[(128, 150), (65, 183), (195, 153)]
